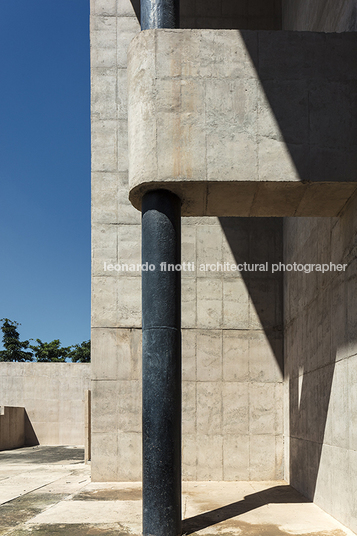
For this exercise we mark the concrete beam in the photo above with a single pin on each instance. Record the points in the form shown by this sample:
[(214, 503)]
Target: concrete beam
[(240, 123)]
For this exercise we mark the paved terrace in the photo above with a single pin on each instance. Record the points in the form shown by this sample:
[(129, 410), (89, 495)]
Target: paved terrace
[(47, 491)]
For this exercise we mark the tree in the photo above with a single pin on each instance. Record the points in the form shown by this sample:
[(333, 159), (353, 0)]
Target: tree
[(81, 353), (14, 348), (50, 352)]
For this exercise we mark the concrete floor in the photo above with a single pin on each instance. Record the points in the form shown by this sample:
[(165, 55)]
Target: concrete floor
[(47, 491)]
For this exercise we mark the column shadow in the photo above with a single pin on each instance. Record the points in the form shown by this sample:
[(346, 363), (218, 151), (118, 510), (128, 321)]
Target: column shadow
[(274, 495)]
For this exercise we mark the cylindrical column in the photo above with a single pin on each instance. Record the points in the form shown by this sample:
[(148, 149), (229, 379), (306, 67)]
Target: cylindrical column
[(161, 324), (159, 14)]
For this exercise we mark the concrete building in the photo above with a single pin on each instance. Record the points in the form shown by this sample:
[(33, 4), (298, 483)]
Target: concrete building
[(248, 114)]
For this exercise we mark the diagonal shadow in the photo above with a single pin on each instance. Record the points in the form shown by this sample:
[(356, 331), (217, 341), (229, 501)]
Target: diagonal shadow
[(257, 241), (274, 495), (31, 438), (312, 98)]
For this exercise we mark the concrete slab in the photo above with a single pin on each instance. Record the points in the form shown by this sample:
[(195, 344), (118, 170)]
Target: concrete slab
[(68, 503)]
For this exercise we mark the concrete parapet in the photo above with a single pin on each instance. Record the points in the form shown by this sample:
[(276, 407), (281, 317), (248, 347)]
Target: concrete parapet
[(12, 427), (53, 397), (244, 123)]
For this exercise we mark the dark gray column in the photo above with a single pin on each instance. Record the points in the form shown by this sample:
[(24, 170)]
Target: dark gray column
[(161, 318), (159, 14)]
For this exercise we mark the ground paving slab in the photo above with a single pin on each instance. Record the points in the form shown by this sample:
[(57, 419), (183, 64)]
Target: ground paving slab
[(48, 491)]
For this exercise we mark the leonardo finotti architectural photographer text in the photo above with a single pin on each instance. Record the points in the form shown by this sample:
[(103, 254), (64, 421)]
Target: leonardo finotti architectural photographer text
[(226, 267)]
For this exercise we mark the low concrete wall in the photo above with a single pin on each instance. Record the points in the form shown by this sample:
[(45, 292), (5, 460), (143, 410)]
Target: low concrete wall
[(53, 395), (12, 427)]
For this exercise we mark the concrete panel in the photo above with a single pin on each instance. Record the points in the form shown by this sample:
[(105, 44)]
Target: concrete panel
[(209, 355), (209, 408), (235, 409), (209, 457), (235, 455), (236, 366), (262, 457)]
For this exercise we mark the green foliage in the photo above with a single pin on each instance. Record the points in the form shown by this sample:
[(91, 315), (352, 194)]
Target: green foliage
[(14, 348), (45, 352), (81, 353), (50, 352)]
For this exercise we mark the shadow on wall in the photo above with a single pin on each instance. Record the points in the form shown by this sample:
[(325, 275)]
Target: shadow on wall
[(314, 106), (258, 241), (31, 439), (222, 14), (309, 398), (16, 430), (313, 100), (310, 356), (316, 319)]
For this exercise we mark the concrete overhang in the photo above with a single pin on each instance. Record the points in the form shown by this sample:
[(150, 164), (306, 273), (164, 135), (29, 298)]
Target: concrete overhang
[(244, 123)]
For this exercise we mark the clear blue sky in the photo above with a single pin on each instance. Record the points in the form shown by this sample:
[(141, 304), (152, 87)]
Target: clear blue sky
[(45, 168)]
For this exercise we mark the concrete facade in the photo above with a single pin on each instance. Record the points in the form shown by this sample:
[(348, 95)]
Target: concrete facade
[(232, 325), (320, 331), (244, 416), (52, 396)]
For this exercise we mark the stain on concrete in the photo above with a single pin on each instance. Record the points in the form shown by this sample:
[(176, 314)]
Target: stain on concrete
[(129, 494), (248, 529), (275, 495), (43, 455), (77, 529), (23, 508)]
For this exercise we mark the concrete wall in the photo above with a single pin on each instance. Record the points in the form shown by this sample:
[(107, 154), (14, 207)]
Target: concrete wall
[(321, 364), (12, 427), (232, 325), (320, 330), (52, 395), (231, 14), (320, 15)]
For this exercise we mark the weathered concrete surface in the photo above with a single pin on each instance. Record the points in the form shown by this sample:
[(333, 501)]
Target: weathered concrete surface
[(320, 15), (87, 425), (35, 478), (68, 504), (320, 328), (12, 427), (228, 359), (232, 336), (52, 395), (321, 364), (225, 111)]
